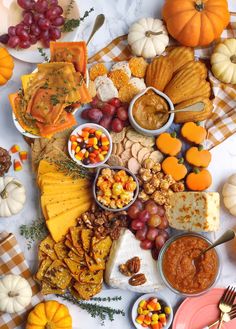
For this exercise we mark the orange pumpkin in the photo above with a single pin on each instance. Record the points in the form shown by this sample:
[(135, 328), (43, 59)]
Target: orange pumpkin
[(174, 167), (193, 132), (198, 157), (6, 66), (195, 22), (168, 144), (199, 180)]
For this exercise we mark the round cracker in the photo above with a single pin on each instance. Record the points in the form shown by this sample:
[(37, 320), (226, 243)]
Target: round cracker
[(156, 156), (146, 156), (142, 153), (114, 148), (147, 141), (134, 136), (134, 165), (128, 144), (119, 148), (126, 155), (115, 160), (118, 137), (136, 147)]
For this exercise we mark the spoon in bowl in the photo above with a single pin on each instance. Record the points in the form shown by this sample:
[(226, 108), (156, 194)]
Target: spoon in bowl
[(197, 107), (99, 21)]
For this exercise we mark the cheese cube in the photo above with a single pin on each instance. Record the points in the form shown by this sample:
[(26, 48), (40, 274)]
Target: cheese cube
[(194, 211)]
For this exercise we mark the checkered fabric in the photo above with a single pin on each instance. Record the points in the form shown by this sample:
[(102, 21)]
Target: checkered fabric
[(222, 124), (12, 261)]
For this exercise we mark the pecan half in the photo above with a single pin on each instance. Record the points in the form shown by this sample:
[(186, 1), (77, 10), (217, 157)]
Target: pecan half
[(137, 279), (133, 265), (124, 270)]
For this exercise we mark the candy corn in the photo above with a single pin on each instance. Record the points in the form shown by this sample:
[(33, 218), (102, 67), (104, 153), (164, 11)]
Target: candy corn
[(17, 165), (15, 148), (23, 155)]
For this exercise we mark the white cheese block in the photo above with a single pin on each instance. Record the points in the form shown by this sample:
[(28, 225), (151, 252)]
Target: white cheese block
[(125, 248), (107, 91), (194, 211)]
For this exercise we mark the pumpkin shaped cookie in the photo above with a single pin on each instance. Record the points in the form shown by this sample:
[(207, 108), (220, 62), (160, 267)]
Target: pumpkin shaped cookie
[(193, 132), (168, 144), (199, 180), (198, 157), (174, 167)]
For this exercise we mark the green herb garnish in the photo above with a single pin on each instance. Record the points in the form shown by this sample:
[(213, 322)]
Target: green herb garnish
[(95, 310), (36, 231), (72, 23), (43, 54), (70, 168), (54, 100)]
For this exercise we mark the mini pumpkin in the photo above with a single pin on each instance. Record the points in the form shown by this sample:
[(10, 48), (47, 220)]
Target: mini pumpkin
[(49, 315), (199, 180), (174, 167), (229, 194), (6, 66), (148, 37), (223, 61), (198, 157), (168, 144), (193, 132), (15, 293), (195, 22), (12, 196)]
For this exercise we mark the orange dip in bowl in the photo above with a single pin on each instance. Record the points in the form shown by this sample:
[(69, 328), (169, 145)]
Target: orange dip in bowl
[(150, 111), (180, 270)]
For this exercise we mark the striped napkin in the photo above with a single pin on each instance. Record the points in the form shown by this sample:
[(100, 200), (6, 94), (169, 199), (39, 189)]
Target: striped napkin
[(12, 261), (222, 124)]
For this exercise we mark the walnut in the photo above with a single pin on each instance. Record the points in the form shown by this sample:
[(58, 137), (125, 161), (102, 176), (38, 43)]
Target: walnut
[(145, 174), (156, 168), (178, 187), (160, 197), (143, 196), (148, 163), (115, 233), (87, 221), (149, 188), (99, 221)]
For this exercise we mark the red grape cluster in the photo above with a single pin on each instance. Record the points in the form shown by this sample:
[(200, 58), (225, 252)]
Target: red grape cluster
[(150, 223), (41, 21), (112, 115)]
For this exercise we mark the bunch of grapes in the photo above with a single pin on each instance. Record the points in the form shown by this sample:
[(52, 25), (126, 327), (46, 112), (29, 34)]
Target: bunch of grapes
[(41, 21), (149, 222), (112, 115)]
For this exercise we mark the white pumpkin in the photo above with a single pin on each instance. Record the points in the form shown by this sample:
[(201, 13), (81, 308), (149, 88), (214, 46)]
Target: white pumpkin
[(12, 196), (223, 61), (148, 37), (229, 194), (15, 293)]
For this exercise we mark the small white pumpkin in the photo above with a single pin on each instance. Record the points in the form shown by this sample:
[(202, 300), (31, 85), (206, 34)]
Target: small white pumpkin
[(12, 196), (148, 37), (15, 293), (229, 194), (223, 61)]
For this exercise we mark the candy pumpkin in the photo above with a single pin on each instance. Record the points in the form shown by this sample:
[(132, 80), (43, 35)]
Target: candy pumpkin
[(195, 22), (193, 132), (168, 144), (199, 180), (6, 66), (49, 315), (174, 167), (198, 157)]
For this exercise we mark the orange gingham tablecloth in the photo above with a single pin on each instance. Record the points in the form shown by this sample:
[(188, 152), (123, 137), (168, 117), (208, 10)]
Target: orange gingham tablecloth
[(222, 124), (12, 261)]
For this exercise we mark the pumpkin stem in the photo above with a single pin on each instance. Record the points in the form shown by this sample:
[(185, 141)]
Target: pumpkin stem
[(13, 294), (196, 171), (4, 193), (149, 33), (49, 325), (200, 147), (181, 160), (173, 134), (233, 59), (199, 4)]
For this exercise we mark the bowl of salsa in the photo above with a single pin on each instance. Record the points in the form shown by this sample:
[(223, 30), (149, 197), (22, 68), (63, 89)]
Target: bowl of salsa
[(183, 271)]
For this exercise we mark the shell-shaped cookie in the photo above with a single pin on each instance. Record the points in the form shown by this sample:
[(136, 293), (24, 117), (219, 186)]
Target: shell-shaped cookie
[(199, 66), (159, 73), (203, 90), (180, 56)]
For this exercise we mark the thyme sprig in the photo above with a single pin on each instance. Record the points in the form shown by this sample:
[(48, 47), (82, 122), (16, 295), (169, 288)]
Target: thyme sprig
[(35, 231), (69, 8), (95, 310), (72, 23), (43, 54), (70, 168), (106, 299)]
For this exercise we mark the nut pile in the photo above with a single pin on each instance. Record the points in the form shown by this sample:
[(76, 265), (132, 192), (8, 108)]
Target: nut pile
[(131, 269), (155, 184), (5, 161)]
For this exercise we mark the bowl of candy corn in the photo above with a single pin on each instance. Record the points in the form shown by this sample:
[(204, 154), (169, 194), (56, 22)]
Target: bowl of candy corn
[(90, 145), (152, 311)]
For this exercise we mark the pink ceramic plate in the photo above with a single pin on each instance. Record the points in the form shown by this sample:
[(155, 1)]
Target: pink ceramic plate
[(198, 312)]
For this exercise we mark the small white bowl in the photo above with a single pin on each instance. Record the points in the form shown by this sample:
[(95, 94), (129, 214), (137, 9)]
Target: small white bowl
[(97, 127), (157, 295), (148, 132)]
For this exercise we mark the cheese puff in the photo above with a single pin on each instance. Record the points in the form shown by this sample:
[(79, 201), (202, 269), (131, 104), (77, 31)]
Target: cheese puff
[(119, 78), (97, 70)]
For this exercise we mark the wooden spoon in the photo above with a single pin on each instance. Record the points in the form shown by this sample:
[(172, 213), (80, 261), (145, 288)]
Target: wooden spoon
[(99, 21)]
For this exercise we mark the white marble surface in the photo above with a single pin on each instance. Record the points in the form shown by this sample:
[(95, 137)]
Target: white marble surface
[(119, 14)]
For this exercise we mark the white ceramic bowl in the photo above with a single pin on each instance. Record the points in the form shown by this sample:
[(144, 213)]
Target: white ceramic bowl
[(97, 127), (157, 295), (148, 132)]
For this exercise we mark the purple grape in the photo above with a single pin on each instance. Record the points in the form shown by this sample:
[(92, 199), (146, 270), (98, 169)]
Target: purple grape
[(4, 38), (41, 6), (26, 4), (24, 44), (33, 39), (12, 31), (44, 24), (13, 42), (59, 21), (54, 33), (35, 30), (28, 19), (54, 12)]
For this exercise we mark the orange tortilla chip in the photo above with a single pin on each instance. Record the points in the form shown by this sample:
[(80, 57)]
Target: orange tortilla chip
[(97, 70)]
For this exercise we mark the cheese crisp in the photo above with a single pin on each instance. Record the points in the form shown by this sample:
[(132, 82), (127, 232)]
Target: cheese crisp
[(194, 211)]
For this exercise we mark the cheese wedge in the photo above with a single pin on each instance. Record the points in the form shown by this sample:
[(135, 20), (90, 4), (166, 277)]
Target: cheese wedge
[(62, 182), (46, 167), (59, 225), (194, 211), (58, 188), (52, 198), (57, 208)]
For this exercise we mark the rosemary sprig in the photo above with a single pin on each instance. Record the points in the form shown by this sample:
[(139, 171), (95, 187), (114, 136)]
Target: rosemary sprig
[(43, 54), (36, 231), (69, 8), (106, 299), (72, 23), (95, 310), (70, 168)]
